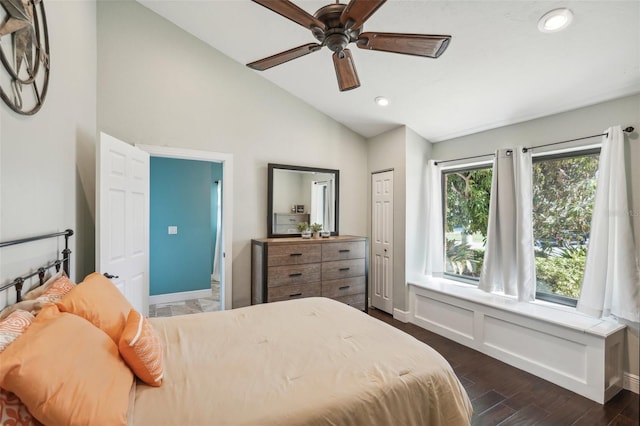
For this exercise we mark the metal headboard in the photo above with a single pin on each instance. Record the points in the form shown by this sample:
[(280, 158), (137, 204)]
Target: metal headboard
[(40, 272)]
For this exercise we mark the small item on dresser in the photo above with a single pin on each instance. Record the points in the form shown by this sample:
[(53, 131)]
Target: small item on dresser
[(303, 228), (325, 234), (316, 228)]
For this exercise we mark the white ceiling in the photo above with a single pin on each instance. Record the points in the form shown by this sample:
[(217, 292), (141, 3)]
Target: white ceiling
[(498, 70)]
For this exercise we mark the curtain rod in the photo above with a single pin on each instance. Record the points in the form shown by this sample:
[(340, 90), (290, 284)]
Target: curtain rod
[(626, 130)]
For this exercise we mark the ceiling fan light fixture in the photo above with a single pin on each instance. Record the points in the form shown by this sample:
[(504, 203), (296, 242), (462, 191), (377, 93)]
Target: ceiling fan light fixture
[(382, 101), (555, 20)]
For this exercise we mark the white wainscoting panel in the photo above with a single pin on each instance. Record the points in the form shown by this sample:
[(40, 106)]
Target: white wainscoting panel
[(576, 352)]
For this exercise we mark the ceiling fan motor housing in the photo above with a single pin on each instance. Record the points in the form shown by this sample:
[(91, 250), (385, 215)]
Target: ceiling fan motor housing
[(335, 36)]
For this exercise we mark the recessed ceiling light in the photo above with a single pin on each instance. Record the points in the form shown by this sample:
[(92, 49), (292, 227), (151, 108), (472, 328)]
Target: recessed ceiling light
[(382, 101), (555, 20)]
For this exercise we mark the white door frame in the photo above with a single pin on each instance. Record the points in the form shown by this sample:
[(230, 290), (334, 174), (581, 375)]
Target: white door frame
[(226, 301)]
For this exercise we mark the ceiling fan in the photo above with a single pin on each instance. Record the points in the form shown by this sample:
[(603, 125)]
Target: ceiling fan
[(336, 25)]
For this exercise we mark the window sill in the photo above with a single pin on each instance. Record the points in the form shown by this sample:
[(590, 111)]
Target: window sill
[(564, 316)]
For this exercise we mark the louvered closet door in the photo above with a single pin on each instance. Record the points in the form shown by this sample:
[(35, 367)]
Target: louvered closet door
[(382, 241)]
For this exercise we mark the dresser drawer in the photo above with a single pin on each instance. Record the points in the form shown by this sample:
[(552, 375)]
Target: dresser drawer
[(294, 291), (293, 274), (342, 269), (294, 254), (343, 287), (343, 250), (356, 300)]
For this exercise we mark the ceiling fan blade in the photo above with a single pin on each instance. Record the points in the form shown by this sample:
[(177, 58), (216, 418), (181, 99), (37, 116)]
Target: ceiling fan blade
[(358, 11), (431, 46), (282, 57), (291, 11), (345, 70)]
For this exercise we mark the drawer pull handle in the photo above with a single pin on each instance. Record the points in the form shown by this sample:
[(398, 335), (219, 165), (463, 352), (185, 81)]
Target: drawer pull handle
[(344, 251), (344, 269), (295, 254), (344, 287), (296, 274), (295, 295)]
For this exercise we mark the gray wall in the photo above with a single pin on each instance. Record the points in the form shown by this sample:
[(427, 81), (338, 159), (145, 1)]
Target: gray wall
[(44, 184), (569, 125), (159, 85), (418, 153), (388, 151), (407, 153)]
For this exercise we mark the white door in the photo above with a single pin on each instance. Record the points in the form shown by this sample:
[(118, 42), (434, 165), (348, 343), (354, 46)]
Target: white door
[(122, 218), (382, 240)]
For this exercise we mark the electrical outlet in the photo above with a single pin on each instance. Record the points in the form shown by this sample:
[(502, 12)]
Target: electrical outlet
[(173, 230)]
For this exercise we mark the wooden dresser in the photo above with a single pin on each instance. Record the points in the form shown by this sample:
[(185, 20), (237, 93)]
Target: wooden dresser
[(289, 268)]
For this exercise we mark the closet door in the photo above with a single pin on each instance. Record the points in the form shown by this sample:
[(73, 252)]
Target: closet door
[(382, 241)]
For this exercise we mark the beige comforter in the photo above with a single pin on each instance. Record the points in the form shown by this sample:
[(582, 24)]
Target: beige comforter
[(305, 362)]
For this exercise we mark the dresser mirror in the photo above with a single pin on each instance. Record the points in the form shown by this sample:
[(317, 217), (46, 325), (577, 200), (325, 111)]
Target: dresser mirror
[(302, 194)]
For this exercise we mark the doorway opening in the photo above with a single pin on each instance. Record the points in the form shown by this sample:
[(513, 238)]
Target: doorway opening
[(216, 262)]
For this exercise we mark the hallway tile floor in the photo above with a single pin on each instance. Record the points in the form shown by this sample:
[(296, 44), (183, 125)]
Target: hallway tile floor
[(191, 306), (184, 307)]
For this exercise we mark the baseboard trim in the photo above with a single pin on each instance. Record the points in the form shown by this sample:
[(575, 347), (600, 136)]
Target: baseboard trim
[(631, 382), (179, 296), (403, 316)]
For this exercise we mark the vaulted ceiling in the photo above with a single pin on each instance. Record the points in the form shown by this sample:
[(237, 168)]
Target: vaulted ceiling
[(498, 70)]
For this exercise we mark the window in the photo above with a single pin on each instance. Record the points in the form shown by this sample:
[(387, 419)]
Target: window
[(466, 205), (564, 188)]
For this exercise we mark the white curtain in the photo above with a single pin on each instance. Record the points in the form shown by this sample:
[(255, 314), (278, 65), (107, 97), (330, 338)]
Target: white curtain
[(331, 202), (317, 202), (434, 265), (509, 264), (216, 252), (610, 284)]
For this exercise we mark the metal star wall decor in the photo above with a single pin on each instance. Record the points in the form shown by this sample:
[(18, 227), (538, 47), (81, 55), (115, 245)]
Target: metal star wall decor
[(24, 53)]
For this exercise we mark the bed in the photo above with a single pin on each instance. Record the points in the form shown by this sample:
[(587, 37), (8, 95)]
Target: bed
[(310, 361)]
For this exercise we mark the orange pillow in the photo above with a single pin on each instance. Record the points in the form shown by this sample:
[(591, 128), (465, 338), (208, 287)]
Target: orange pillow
[(36, 292), (56, 290), (141, 349), (13, 326), (66, 371), (100, 302), (41, 290), (12, 410)]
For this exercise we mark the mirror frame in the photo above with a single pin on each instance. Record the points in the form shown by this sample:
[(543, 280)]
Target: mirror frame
[(271, 167)]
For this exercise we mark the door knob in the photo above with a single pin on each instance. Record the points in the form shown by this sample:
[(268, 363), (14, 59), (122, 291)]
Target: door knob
[(108, 275)]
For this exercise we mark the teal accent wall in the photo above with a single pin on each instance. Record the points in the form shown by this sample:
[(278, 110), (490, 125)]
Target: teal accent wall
[(180, 195)]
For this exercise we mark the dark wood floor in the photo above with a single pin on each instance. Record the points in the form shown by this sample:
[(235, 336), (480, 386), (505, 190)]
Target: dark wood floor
[(504, 395)]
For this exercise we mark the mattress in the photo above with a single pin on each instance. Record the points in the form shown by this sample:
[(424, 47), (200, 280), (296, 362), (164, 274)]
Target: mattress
[(310, 361)]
